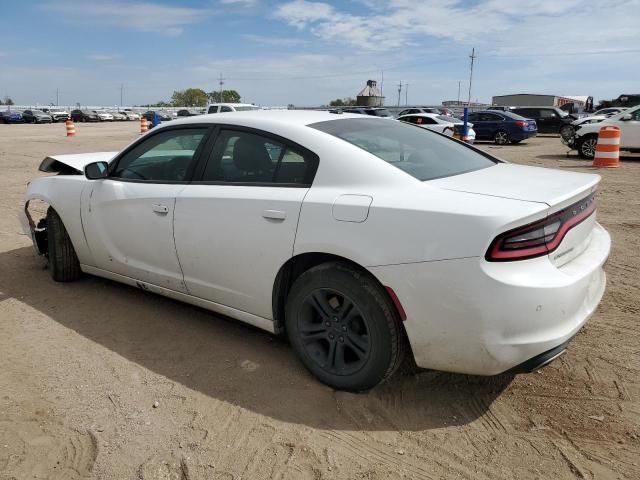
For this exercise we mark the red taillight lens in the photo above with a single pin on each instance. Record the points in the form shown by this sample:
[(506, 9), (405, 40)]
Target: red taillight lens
[(521, 124), (541, 237)]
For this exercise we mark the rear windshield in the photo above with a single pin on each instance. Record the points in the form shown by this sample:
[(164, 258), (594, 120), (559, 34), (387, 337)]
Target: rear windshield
[(380, 113), (245, 109), (421, 153)]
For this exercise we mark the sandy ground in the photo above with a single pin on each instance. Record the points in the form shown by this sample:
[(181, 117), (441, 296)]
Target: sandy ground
[(82, 364)]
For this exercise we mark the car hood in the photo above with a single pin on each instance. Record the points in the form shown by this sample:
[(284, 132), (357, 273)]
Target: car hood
[(77, 161), (556, 188)]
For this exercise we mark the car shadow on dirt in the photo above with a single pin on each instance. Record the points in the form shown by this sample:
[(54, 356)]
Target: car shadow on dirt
[(236, 363)]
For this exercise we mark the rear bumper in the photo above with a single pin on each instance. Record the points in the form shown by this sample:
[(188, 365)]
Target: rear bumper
[(477, 317)]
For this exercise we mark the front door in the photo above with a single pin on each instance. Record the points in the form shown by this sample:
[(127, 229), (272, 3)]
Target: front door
[(630, 130), (128, 217), (236, 227)]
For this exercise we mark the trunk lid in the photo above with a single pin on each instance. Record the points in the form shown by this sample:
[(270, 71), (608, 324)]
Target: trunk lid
[(556, 188), (559, 190), (73, 163)]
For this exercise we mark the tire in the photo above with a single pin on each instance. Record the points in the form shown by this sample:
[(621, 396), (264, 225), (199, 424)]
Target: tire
[(351, 350), (501, 137), (566, 132), (587, 146), (63, 261)]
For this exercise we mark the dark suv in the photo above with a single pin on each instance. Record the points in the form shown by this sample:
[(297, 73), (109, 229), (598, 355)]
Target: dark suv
[(84, 116), (548, 119)]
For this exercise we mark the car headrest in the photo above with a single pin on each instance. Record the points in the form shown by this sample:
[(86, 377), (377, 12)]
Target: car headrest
[(250, 155)]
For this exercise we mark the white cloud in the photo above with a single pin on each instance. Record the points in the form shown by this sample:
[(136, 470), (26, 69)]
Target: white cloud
[(135, 15), (301, 13)]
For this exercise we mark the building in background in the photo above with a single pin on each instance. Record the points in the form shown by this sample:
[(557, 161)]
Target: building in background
[(370, 96), (457, 103), (535, 100)]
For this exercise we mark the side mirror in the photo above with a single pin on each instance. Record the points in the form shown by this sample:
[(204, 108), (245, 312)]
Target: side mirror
[(96, 170), (626, 117)]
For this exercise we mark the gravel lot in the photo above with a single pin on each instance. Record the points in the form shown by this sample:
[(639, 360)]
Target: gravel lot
[(82, 364)]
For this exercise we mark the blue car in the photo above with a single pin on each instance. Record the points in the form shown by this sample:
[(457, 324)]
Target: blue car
[(11, 116), (502, 127)]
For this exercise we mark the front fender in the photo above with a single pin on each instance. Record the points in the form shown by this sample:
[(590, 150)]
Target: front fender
[(63, 193)]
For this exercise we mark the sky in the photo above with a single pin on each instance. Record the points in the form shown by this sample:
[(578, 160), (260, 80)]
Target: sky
[(305, 53)]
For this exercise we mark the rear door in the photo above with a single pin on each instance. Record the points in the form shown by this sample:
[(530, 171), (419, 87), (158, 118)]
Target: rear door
[(236, 226), (128, 216)]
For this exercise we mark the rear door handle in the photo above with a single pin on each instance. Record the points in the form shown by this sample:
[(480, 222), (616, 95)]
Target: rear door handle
[(160, 208), (274, 214)]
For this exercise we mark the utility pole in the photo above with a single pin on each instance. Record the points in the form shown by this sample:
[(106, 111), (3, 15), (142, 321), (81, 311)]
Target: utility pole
[(472, 57), (406, 94), (399, 91), (121, 92), (57, 97), (459, 82), (382, 83), (221, 82)]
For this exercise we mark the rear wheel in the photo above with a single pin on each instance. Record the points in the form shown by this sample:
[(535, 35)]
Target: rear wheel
[(501, 137), (63, 261), (587, 146), (343, 327)]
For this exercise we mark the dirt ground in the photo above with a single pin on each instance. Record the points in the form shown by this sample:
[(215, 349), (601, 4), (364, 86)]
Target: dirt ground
[(82, 364)]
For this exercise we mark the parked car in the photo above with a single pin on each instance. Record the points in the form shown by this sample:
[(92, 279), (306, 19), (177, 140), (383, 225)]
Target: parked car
[(356, 236), (502, 127), (188, 113), (117, 116), (164, 116), (373, 111), (439, 123), (548, 119), (11, 116), (230, 107), (57, 114), (130, 115), (84, 116), (586, 135), (610, 111), (104, 116), (35, 116), (410, 111), (567, 132)]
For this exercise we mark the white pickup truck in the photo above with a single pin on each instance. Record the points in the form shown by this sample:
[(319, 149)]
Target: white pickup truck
[(586, 135)]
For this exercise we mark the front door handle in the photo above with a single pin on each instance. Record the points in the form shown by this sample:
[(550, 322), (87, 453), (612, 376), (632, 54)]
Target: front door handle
[(274, 214), (160, 208)]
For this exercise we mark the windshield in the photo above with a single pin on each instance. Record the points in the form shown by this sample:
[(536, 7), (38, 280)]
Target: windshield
[(423, 154), (39, 112), (246, 108), (381, 113), (562, 113)]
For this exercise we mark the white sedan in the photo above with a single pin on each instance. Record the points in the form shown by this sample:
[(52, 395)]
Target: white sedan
[(359, 238), (439, 123)]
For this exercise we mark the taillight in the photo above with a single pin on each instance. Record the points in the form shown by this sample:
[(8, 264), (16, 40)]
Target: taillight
[(541, 237), (521, 123)]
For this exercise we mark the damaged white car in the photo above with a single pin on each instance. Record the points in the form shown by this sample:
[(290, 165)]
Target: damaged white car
[(362, 239)]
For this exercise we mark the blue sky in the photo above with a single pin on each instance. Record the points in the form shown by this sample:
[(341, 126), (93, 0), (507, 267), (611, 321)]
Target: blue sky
[(309, 52)]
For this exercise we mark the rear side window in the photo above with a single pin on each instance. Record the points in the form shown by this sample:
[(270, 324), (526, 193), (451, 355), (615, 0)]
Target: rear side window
[(224, 108), (248, 158), (423, 154)]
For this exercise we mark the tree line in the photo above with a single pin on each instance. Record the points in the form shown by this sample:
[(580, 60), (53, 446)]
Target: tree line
[(6, 101), (196, 97)]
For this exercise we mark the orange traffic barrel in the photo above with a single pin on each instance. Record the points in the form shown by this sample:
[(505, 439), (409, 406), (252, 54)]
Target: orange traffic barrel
[(608, 148), (71, 128), (144, 128)]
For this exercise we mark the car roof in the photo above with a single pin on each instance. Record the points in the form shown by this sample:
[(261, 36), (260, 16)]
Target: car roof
[(423, 114), (265, 118), (233, 105)]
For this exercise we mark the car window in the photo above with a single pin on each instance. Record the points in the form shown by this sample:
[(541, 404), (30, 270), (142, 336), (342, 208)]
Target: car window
[(167, 156), (490, 117), (419, 152), (213, 109), (246, 108), (245, 158), (224, 108), (427, 121), (545, 113), (636, 115)]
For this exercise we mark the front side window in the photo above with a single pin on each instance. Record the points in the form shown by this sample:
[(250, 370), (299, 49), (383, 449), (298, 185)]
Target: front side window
[(246, 158), (213, 109), (421, 153), (165, 157), (224, 108)]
